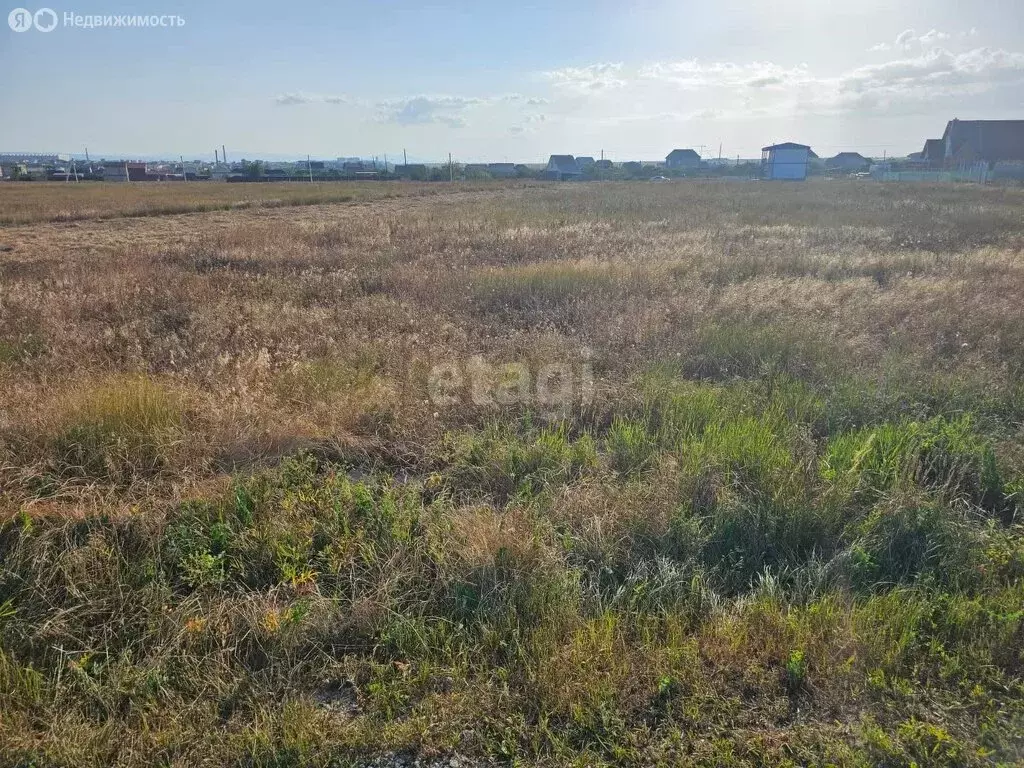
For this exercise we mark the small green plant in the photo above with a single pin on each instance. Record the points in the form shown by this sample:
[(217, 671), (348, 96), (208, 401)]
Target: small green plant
[(203, 569), (796, 671), (630, 447)]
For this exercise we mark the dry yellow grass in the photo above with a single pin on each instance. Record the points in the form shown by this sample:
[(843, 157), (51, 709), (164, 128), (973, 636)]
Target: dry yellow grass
[(298, 323), (26, 203)]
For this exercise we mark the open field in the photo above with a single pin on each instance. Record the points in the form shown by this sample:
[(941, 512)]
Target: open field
[(724, 474), (27, 203)]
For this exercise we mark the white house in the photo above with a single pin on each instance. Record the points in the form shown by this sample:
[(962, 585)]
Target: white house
[(786, 161)]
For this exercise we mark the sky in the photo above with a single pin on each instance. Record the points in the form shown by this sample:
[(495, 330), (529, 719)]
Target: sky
[(508, 81)]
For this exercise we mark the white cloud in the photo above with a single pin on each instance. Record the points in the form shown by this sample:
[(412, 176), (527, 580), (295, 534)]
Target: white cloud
[(594, 77), (936, 71), (908, 40), (693, 74), (422, 110), (529, 124), (454, 110), (932, 37), (691, 89), (299, 97)]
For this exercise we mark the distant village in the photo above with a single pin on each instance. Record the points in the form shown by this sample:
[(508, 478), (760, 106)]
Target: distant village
[(969, 150)]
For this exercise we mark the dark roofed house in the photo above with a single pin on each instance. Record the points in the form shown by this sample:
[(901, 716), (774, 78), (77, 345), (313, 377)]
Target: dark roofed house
[(934, 152), (682, 158), (988, 141), (848, 161), (414, 171), (502, 170), (476, 171), (562, 168)]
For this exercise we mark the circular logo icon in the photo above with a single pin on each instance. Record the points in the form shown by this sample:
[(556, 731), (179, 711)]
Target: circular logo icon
[(45, 19), (20, 20)]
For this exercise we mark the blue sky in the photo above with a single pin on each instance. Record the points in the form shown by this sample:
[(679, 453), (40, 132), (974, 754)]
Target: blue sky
[(510, 81)]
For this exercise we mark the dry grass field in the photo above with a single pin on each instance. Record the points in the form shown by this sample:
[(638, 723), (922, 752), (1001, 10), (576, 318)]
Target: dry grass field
[(723, 474), (27, 203)]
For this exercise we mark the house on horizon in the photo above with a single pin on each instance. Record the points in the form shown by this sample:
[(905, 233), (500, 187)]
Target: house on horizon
[(682, 159), (584, 161), (786, 162), (562, 168), (934, 153), (502, 170), (966, 142), (414, 171), (849, 162)]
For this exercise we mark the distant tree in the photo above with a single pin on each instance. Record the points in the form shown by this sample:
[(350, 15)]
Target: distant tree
[(443, 173), (252, 169), (633, 170)]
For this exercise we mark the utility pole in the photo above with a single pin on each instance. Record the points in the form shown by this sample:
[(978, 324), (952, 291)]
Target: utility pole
[(405, 159), (223, 154), (451, 170), (309, 167), (216, 157), (385, 163), (184, 175)]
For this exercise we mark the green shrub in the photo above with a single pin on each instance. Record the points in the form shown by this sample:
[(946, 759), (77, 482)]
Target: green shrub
[(630, 447), (741, 350), (502, 463), (904, 539), (947, 457)]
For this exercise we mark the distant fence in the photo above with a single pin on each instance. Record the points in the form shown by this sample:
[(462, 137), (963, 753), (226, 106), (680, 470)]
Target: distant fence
[(1008, 172), (978, 174)]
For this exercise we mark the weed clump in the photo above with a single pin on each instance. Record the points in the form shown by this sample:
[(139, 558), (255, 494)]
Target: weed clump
[(120, 431)]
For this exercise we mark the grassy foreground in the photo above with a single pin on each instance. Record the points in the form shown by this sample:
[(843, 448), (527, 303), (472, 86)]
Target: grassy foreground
[(768, 511)]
